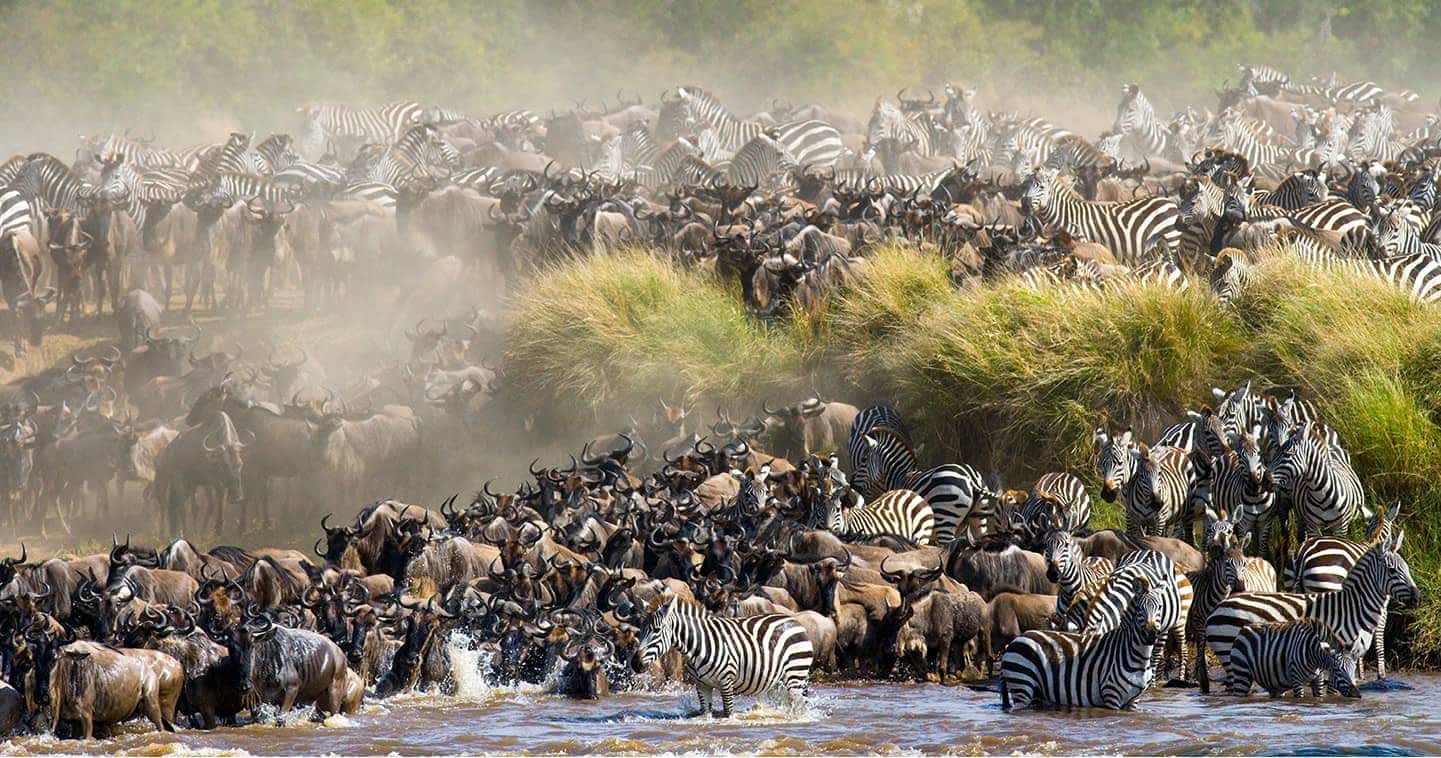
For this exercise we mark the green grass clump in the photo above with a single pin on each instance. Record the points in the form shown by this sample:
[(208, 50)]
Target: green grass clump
[(1010, 379)]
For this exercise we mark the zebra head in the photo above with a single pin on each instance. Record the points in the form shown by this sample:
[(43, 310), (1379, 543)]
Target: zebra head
[(1118, 458), (1221, 536), (1146, 609), (1236, 205), (1248, 453), (1341, 664), (1400, 585), (1039, 189), (1390, 223), (1063, 555), (1134, 113), (660, 639)]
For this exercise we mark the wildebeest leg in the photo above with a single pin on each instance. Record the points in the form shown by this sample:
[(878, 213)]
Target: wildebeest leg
[(152, 712)]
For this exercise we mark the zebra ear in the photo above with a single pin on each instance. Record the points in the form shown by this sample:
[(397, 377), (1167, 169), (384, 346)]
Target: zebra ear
[(1126, 437), (1245, 540), (1397, 540), (1218, 393), (1101, 438)]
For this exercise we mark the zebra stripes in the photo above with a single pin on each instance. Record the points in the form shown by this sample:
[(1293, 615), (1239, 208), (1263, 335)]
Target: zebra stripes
[(757, 161), (1242, 489), (1073, 573), (326, 123), (15, 213), (737, 656), (1321, 564), (1108, 670), (1126, 228), (1103, 607), (809, 142), (1212, 584), (1057, 501), (870, 417), (1317, 482), (1352, 612), (902, 513), (955, 492), (1282, 657), (1138, 125)]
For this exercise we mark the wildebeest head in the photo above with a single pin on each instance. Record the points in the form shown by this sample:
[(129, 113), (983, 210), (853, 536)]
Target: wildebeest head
[(43, 648), (225, 446), (69, 244)]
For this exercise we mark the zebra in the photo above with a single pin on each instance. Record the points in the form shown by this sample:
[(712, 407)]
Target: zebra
[(1127, 228), (228, 158), (1109, 669), (903, 513), (738, 656), (905, 131), (1418, 275), (1242, 489), (16, 213), (1284, 656), (1103, 607), (327, 123), (417, 150), (1352, 611), (1230, 275), (1395, 233), (1155, 484), (1218, 578), (1137, 123), (870, 417), (47, 182), (1318, 483), (271, 155), (1300, 189), (1073, 573), (758, 161), (310, 178), (1321, 564), (1058, 500), (956, 493), (809, 142)]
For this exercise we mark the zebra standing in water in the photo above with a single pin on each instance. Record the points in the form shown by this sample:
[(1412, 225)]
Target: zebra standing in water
[(328, 123), (738, 656), (1282, 657), (1102, 608), (1108, 670), (809, 142), (1321, 564), (955, 492), (1126, 228), (1352, 612), (1314, 478)]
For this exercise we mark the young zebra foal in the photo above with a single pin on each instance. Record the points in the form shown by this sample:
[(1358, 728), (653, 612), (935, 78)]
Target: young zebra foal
[(1284, 656), (1108, 670), (738, 656)]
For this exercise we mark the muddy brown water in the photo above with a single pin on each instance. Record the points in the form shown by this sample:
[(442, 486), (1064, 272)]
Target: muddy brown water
[(837, 718)]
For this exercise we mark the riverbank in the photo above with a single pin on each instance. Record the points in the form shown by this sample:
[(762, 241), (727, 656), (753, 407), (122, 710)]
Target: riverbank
[(1005, 378)]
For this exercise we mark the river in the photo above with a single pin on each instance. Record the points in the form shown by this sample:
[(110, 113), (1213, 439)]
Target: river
[(838, 718)]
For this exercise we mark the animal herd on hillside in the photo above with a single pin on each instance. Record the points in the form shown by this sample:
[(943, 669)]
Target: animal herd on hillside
[(807, 541)]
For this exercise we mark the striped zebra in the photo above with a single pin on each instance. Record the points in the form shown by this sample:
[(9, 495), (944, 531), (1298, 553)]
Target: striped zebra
[(271, 155), (237, 187), (1300, 189), (1352, 612), (229, 158), (47, 183), (1109, 669), (1103, 607), (16, 214), (956, 493), (1072, 571), (1316, 481), (737, 656), (1397, 235), (902, 513), (1417, 275), (906, 131), (1057, 501), (870, 417), (310, 178), (1257, 574), (328, 123), (809, 142), (1321, 564), (1242, 490), (1230, 275), (1139, 127), (1214, 582), (1127, 228), (417, 151), (1155, 485), (1283, 657), (758, 161)]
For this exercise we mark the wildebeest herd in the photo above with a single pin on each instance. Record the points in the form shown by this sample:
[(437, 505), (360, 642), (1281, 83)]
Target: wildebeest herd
[(703, 558)]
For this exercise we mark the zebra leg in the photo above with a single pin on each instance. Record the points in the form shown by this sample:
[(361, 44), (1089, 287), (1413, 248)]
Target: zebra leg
[(727, 700), (703, 693), (1380, 643), (1203, 673)]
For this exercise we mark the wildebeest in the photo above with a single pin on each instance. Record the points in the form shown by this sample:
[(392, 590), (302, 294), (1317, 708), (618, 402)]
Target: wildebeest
[(287, 667), (135, 318), (98, 684)]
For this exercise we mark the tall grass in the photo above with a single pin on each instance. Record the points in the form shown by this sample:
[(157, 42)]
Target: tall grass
[(1007, 378)]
